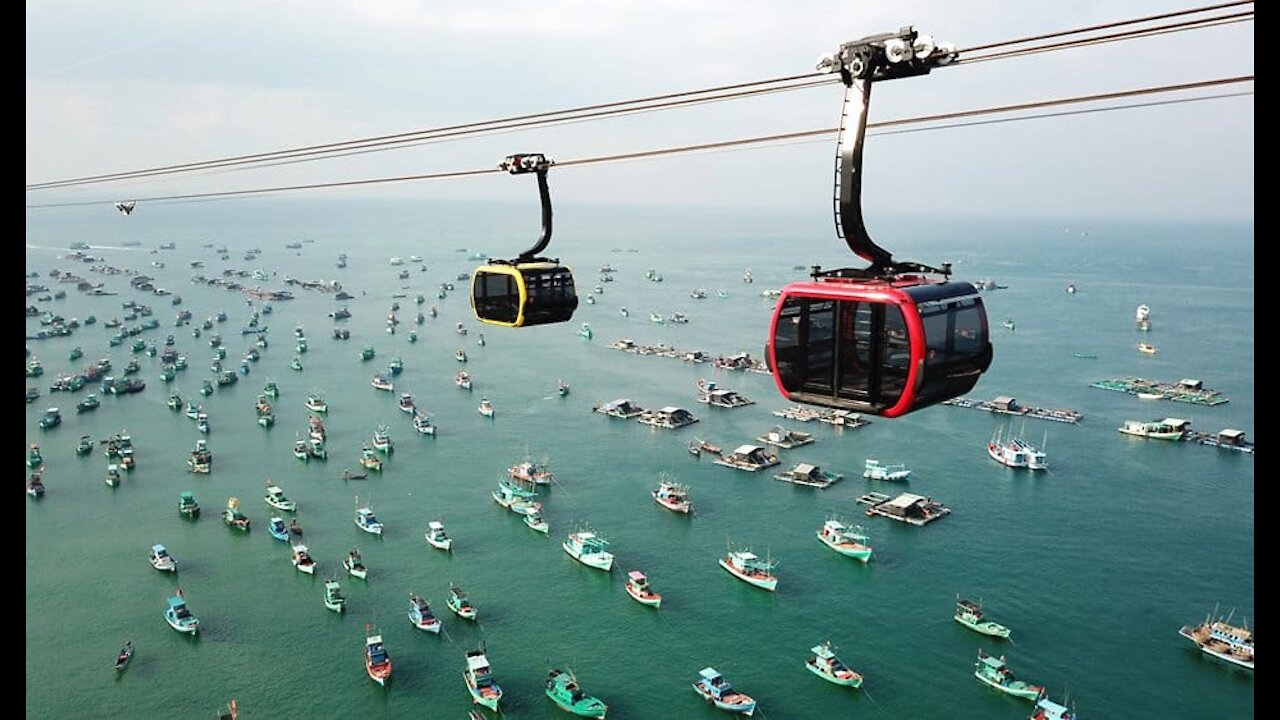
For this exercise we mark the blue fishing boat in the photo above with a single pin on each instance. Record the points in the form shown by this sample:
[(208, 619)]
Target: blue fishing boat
[(421, 616), (278, 529), (179, 616), (713, 688), (479, 678), (366, 521)]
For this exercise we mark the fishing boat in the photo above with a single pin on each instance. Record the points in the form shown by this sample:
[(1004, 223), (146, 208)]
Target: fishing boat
[(969, 614), (638, 588), (52, 418), (437, 537), (459, 603), (656, 319), (377, 663), (76, 354), (827, 666), (302, 560), (300, 450), (1008, 324), (713, 688), (333, 597), (1217, 637), (994, 672), (479, 679), (187, 505), (316, 403), (874, 470), (462, 380), (589, 549), (34, 458), (486, 407), (367, 353), (535, 521), (124, 656), (202, 423), (1147, 348), (1036, 457), (278, 529), (382, 382), (1006, 452), (1142, 317), (672, 496), (562, 388), (750, 568), (35, 485), (275, 497), (585, 331), (1047, 709), (563, 689), (179, 616), (84, 446), (162, 560), (354, 565), (395, 366), (271, 389), (113, 475), (1167, 429), (406, 403), (424, 424), (413, 336), (848, 541), (232, 516), (460, 355), (366, 521), (89, 402), (369, 459), (421, 616), (382, 440), (531, 472)]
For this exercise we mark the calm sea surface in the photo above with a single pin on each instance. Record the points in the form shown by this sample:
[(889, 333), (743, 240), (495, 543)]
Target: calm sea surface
[(1094, 565)]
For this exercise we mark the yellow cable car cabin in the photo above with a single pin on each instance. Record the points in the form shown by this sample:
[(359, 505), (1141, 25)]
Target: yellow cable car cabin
[(518, 294), (528, 290)]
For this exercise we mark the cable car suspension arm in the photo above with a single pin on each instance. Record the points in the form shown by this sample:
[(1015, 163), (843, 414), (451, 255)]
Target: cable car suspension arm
[(534, 162)]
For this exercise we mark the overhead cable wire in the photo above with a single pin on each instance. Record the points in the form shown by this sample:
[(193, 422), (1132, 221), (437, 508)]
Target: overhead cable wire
[(683, 98), (781, 137)]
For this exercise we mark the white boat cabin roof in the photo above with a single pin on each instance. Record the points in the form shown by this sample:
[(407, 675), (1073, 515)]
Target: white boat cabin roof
[(435, 525), (746, 449), (477, 662), (906, 500), (804, 469), (1178, 423), (747, 555), (275, 490)]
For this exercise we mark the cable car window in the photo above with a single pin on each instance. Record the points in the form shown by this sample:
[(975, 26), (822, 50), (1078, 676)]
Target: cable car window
[(969, 330), (497, 297), (819, 375), (786, 344), (855, 320), (896, 355), (937, 335)]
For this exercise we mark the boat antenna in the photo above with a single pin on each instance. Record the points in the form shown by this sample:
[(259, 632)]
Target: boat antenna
[(886, 56)]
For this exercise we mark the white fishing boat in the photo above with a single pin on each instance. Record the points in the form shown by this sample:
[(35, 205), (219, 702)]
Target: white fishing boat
[(354, 565), (424, 424), (848, 541), (827, 666), (751, 569), (437, 537), (367, 521), (275, 497), (302, 559), (462, 380), (589, 549), (486, 407), (162, 560)]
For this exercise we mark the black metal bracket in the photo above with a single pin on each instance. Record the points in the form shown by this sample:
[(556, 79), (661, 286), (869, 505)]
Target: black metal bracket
[(887, 56), (539, 163), (888, 272)]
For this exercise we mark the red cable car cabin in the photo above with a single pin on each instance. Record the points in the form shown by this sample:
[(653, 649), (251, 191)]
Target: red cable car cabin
[(884, 347)]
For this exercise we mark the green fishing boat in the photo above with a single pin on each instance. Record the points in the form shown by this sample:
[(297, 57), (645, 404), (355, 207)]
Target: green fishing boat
[(994, 672), (562, 688), (969, 614), (367, 353)]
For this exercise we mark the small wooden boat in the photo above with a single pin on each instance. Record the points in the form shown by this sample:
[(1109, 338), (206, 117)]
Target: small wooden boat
[(179, 616), (437, 537), (277, 529), (713, 688), (479, 678), (563, 689), (35, 485), (333, 597), (827, 666), (355, 565), (367, 521), (639, 590), (377, 663), (969, 614), (162, 560), (124, 656), (486, 407), (534, 520), (460, 604), (187, 505), (994, 672), (421, 616)]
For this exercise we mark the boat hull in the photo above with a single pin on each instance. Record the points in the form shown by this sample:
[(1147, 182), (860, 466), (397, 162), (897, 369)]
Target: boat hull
[(653, 600), (1017, 689), (190, 629), (1238, 662), (770, 584), (986, 628), (746, 708), (858, 552), (479, 698), (598, 562)]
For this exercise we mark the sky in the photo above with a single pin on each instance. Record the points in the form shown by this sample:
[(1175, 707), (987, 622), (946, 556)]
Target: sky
[(118, 86)]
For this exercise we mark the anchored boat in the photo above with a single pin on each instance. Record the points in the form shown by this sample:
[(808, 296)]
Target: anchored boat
[(563, 689), (639, 590), (333, 597), (994, 672), (355, 565), (749, 568), (187, 505), (672, 496), (179, 616), (302, 559), (162, 560), (275, 497), (589, 549), (874, 470), (377, 663), (827, 666), (969, 614), (366, 521), (1219, 638), (479, 678), (713, 688), (459, 603), (421, 616), (437, 537), (848, 541)]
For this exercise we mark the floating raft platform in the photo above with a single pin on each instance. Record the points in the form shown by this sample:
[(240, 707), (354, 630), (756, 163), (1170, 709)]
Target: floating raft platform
[(907, 507), (838, 418), (1187, 390), (1006, 405)]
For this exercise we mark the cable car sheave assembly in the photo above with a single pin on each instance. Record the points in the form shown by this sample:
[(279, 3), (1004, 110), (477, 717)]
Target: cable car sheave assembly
[(528, 290), (895, 336)]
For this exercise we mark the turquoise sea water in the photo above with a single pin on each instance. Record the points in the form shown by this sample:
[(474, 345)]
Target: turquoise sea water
[(1094, 565)]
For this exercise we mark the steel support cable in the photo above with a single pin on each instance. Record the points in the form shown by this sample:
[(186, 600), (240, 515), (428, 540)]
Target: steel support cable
[(1114, 37), (1106, 26), (414, 136), (687, 148)]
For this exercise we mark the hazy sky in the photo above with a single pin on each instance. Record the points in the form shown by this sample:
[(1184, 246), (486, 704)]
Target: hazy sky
[(115, 86)]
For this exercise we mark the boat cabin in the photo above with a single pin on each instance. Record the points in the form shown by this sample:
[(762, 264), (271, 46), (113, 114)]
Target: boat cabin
[(1231, 437), (621, 408), (785, 438), (748, 457), (668, 417), (910, 508)]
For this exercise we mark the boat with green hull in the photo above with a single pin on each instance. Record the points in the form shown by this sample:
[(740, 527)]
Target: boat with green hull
[(969, 614), (994, 672), (827, 666), (563, 689)]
